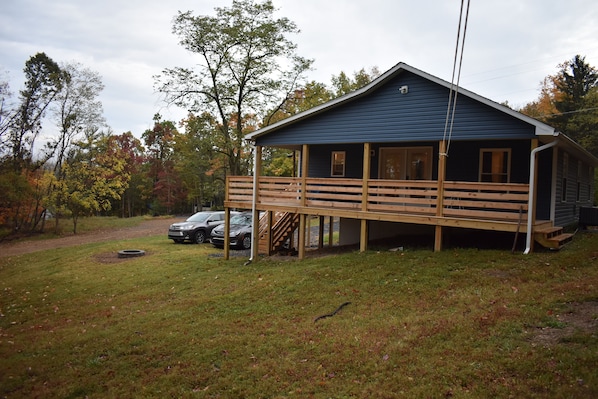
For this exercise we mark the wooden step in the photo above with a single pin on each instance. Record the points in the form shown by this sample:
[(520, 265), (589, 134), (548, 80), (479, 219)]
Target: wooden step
[(562, 239), (552, 237), (549, 231)]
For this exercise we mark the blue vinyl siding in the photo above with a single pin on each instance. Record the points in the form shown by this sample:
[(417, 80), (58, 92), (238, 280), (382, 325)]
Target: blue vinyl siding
[(462, 164), (464, 159), (320, 160), (567, 210), (544, 197), (386, 115)]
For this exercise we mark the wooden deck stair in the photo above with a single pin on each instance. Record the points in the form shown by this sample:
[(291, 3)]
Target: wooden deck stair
[(283, 225), (551, 237)]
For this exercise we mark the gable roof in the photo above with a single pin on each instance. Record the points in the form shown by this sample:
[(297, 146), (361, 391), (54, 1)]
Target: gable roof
[(541, 129)]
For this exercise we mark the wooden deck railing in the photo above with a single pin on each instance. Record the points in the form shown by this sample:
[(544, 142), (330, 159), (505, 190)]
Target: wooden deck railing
[(472, 200)]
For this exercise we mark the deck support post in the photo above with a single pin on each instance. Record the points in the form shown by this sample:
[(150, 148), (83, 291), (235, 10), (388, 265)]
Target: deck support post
[(321, 233), (301, 240), (330, 231), (226, 233), (308, 231), (363, 237), (442, 155), (270, 219)]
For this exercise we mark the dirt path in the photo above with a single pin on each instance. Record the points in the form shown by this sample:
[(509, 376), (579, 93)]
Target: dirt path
[(146, 228)]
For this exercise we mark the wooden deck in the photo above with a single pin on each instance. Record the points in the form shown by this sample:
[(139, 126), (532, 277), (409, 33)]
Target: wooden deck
[(486, 206)]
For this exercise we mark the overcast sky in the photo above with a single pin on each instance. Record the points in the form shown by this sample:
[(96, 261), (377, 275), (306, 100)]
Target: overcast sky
[(511, 45)]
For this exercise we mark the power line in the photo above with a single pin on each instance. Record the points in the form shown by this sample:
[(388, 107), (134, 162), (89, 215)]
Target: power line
[(452, 102), (569, 112)]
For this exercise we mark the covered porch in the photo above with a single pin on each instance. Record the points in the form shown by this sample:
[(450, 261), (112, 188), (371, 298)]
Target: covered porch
[(284, 203)]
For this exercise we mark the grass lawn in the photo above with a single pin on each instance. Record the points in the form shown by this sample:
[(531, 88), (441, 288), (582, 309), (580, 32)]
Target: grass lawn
[(179, 323)]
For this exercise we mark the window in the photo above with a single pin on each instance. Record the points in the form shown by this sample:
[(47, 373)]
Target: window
[(564, 178), (405, 163), (338, 163), (495, 165)]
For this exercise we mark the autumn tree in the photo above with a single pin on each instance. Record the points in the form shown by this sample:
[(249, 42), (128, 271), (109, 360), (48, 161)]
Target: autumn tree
[(246, 65), (94, 175), (21, 175), (200, 162), (163, 186), (132, 151)]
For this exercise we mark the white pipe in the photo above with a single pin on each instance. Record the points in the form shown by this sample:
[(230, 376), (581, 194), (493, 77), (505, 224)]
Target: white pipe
[(254, 223), (532, 193)]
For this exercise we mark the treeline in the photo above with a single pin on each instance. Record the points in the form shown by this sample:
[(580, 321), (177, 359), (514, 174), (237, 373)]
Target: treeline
[(85, 169), (568, 101)]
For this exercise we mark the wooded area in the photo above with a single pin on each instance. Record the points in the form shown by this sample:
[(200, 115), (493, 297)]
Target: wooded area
[(248, 75)]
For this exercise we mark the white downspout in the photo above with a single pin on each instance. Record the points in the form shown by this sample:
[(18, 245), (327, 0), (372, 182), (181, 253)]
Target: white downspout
[(254, 249), (532, 193), (253, 206)]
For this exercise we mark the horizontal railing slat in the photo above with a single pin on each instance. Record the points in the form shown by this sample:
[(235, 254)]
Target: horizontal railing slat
[(461, 199)]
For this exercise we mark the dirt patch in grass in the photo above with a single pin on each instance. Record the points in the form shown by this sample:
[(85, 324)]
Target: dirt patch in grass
[(577, 318)]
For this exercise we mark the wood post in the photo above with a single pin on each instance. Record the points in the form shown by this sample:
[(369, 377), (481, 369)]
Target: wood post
[(226, 233), (363, 236), (301, 240), (330, 231), (269, 233), (304, 170), (321, 233), (442, 155)]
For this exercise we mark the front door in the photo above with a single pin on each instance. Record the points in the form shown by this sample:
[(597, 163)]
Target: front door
[(406, 163)]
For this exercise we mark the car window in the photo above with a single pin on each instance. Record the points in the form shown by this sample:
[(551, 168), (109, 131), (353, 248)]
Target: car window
[(199, 217), (241, 219)]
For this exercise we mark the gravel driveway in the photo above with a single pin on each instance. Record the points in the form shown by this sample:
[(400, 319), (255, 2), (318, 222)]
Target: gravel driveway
[(146, 228)]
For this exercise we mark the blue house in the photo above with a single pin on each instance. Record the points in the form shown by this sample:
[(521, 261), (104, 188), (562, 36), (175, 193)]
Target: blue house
[(384, 161)]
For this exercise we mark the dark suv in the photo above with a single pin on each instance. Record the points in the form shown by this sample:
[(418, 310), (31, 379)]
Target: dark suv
[(197, 228), (240, 232)]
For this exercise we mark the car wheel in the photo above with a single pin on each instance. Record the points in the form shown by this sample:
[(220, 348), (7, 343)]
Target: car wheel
[(200, 237), (246, 243)]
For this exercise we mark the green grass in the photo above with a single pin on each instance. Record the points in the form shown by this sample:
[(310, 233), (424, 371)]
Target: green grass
[(179, 323)]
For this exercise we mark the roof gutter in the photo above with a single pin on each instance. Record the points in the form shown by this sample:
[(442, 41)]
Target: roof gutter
[(532, 193)]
